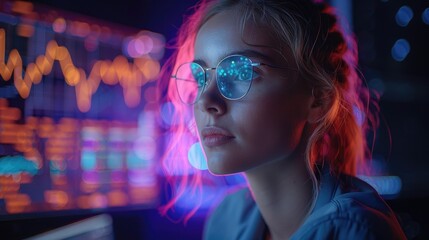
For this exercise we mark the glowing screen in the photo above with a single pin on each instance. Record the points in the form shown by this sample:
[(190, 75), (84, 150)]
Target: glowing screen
[(77, 116)]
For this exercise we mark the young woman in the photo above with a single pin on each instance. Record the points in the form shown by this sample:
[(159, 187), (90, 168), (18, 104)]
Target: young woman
[(270, 89)]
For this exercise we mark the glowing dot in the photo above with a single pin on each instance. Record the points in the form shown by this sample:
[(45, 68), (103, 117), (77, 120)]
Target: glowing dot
[(139, 47), (82, 29), (15, 165), (25, 30), (98, 200), (58, 199), (145, 45), (141, 177), (167, 113), (90, 177), (196, 157), (91, 133), (145, 148), (88, 160), (117, 198), (59, 25), (22, 7), (133, 161), (404, 16), (425, 16), (400, 50), (127, 46), (131, 49)]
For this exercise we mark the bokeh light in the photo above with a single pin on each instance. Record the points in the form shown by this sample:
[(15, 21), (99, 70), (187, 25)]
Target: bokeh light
[(59, 25), (404, 16), (400, 50), (167, 113), (425, 16), (145, 148), (196, 157)]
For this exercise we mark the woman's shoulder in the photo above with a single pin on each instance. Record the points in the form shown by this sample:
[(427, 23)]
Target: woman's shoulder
[(354, 211), (350, 219)]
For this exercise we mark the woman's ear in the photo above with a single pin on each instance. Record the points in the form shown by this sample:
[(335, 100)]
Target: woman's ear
[(319, 106)]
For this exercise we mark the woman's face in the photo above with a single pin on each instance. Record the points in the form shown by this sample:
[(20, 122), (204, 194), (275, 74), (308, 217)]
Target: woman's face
[(268, 123)]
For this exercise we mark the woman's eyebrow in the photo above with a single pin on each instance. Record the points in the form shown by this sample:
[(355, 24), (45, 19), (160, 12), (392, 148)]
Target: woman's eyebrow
[(252, 53), (247, 52)]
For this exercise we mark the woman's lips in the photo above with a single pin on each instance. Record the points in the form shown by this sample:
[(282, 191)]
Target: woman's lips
[(215, 136)]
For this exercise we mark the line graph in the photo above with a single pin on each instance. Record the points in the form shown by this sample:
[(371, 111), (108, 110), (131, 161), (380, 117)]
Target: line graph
[(130, 75)]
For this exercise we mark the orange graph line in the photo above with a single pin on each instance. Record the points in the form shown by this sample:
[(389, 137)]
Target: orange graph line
[(131, 76)]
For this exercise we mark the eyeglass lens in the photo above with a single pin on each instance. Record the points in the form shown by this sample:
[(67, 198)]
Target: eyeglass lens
[(233, 76)]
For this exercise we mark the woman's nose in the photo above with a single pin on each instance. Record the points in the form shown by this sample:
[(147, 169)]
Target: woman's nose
[(211, 100)]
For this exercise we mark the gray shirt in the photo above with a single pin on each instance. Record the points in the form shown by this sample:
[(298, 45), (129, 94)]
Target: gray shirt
[(346, 208)]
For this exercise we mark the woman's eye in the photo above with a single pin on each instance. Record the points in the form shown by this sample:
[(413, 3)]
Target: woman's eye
[(245, 74), (198, 76)]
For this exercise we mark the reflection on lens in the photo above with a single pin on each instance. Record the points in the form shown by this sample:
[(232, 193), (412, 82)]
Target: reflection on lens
[(190, 81), (234, 77)]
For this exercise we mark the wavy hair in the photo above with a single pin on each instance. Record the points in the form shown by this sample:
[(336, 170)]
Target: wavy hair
[(326, 57)]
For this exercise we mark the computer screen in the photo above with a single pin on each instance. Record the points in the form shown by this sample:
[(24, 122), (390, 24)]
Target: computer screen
[(78, 126)]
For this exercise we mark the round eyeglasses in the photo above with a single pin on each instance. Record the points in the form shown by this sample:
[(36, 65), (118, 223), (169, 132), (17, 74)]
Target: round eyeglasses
[(234, 75)]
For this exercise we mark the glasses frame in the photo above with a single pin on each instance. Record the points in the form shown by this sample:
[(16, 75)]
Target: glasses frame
[(206, 81)]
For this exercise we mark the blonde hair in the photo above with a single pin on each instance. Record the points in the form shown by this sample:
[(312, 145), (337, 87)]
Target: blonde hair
[(325, 56)]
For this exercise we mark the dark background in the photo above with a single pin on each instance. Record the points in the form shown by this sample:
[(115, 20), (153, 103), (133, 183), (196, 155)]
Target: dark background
[(402, 139)]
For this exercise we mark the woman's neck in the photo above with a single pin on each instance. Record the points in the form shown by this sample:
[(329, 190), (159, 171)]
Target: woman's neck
[(283, 191)]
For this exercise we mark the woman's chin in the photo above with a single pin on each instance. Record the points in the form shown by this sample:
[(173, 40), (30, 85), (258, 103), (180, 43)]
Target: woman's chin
[(223, 168)]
